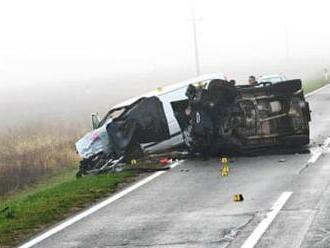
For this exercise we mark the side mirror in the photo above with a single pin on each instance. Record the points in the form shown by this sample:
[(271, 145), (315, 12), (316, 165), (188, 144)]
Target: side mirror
[(95, 120)]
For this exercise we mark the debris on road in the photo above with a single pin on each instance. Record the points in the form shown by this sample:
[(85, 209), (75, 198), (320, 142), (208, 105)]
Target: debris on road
[(164, 161)]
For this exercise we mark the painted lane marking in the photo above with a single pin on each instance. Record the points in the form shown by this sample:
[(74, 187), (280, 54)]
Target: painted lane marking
[(253, 239), (318, 151), (94, 208), (317, 90), (176, 163)]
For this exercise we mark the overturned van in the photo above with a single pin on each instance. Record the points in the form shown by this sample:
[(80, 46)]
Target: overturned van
[(223, 118), (207, 115)]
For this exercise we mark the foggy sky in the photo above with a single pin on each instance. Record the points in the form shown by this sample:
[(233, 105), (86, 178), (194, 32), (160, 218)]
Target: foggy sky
[(77, 39), (61, 57)]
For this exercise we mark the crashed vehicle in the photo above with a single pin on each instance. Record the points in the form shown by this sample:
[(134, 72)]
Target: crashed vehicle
[(225, 118), (141, 125), (206, 115)]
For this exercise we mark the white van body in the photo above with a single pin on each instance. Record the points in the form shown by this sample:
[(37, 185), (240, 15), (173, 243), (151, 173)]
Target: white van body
[(166, 95)]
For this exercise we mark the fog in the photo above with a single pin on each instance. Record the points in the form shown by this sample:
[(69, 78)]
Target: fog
[(64, 59)]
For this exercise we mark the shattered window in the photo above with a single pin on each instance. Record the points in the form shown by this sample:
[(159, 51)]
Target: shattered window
[(117, 113)]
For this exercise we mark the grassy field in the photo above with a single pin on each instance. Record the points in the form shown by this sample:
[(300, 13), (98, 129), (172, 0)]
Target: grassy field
[(28, 153), (51, 200), (38, 186)]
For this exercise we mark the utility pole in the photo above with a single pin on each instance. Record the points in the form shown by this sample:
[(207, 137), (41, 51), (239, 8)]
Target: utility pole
[(286, 34), (193, 21)]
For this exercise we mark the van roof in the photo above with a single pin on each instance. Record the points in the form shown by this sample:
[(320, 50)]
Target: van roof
[(162, 90)]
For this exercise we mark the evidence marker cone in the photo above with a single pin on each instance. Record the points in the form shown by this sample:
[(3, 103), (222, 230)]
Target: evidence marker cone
[(225, 168), (224, 173), (238, 197), (224, 160)]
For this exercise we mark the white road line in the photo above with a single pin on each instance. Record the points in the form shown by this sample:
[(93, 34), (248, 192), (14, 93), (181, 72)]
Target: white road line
[(315, 91), (265, 223), (94, 208), (317, 152)]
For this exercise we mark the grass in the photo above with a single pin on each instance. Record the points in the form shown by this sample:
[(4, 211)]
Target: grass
[(38, 186), (31, 152), (30, 210)]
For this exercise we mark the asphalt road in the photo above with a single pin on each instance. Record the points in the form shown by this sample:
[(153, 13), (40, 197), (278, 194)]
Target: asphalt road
[(192, 205)]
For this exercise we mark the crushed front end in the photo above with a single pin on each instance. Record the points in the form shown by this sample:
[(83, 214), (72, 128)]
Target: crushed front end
[(120, 135)]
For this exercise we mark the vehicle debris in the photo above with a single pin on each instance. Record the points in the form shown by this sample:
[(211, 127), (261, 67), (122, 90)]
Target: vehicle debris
[(204, 117), (164, 161)]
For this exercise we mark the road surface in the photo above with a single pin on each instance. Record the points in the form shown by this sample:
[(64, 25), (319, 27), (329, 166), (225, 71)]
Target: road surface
[(286, 203)]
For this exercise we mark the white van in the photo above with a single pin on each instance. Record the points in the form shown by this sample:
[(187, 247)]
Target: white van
[(98, 141)]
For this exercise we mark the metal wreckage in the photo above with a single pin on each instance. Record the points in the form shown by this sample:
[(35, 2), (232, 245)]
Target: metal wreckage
[(199, 119)]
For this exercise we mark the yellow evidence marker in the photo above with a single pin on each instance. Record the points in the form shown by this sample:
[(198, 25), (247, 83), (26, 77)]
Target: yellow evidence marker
[(225, 168), (238, 197)]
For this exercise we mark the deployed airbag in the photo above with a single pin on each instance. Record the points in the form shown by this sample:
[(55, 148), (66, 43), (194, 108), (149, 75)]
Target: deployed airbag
[(143, 123)]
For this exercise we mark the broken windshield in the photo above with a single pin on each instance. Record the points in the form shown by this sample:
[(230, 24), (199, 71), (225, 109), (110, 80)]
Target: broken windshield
[(112, 114)]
